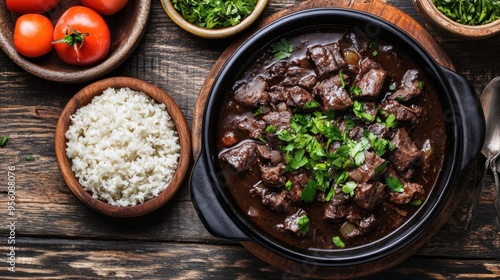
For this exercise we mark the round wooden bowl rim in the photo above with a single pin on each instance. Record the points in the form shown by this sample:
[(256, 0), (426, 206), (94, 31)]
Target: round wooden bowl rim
[(113, 60), (218, 33), (82, 98), (430, 12)]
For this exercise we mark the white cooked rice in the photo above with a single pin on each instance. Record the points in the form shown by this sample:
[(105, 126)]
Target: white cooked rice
[(124, 147)]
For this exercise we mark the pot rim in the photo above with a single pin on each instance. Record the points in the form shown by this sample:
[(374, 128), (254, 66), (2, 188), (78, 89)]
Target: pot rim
[(415, 225)]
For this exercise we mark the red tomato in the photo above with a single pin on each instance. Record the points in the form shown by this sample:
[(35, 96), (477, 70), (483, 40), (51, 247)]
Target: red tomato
[(33, 35), (30, 6), (81, 37), (105, 7)]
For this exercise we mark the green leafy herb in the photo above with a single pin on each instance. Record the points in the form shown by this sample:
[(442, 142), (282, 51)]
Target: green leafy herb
[(470, 12), (348, 187), (358, 109), (375, 53), (259, 111), (394, 184), (288, 185), (311, 104), (421, 85), (380, 168), (30, 158), (271, 129), (416, 202), (392, 86), (211, 14), (342, 81), (330, 194), (391, 121), (338, 242), (373, 45), (309, 191), (355, 90), (304, 224), (282, 49), (4, 140)]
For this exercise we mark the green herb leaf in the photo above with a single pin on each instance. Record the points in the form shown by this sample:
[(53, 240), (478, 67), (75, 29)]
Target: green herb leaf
[(380, 168), (259, 111), (30, 158), (342, 82), (470, 12), (282, 49), (358, 108), (311, 104), (416, 202), (392, 86), (212, 14), (391, 121), (271, 129), (304, 224), (309, 191), (355, 90), (421, 85), (348, 187), (338, 242), (330, 194), (4, 140), (394, 184), (288, 185)]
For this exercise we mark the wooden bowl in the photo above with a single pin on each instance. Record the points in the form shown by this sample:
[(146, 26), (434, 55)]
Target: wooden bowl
[(127, 28), (432, 16), (218, 33), (82, 98)]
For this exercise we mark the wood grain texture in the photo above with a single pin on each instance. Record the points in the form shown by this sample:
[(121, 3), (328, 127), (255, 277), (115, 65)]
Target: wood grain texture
[(59, 237)]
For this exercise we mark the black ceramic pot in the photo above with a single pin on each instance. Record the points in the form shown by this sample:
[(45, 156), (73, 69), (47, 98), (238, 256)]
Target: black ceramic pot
[(464, 125)]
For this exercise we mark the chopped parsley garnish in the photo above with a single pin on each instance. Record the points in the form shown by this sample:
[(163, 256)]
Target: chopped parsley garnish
[(390, 121), (30, 158), (416, 202), (311, 104), (394, 184), (470, 12), (381, 167), (282, 49), (211, 14), (304, 224), (393, 86), (330, 194), (342, 81), (338, 242), (259, 111), (355, 90), (348, 188), (421, 85), (358, 109), (375, 53), (271, 129), (288, 185), (4, 140)]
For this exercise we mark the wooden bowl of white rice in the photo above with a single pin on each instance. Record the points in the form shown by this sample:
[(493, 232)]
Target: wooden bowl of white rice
[(123, 146)]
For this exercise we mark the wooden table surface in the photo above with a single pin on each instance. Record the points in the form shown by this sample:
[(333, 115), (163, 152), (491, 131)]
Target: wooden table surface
[(56, 236)]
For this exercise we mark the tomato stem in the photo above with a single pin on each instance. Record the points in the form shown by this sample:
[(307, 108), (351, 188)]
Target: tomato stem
[(75, 39)]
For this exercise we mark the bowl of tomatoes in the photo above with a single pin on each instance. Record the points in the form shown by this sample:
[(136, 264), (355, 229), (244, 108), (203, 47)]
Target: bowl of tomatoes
[(72, 41)]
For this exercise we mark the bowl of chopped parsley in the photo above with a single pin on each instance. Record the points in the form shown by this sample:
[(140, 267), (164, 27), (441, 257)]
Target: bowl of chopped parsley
[(214, 19), (472, 19)]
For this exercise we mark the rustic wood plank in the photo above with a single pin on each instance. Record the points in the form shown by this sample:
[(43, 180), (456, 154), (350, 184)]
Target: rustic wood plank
[(89, 259)]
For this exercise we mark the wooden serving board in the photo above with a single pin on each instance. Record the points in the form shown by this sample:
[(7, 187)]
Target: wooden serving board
[(375, 7)]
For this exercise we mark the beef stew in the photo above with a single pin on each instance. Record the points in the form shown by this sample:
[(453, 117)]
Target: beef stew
[(336, 145)]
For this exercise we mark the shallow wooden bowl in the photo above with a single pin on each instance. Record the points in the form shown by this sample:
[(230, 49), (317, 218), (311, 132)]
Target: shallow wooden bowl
[(218, 33), (82, 98), (127, 28), (432, 16)]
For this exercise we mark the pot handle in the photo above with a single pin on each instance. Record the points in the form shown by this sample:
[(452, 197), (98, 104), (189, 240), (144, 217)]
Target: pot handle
[(208, 206), (471, 117)]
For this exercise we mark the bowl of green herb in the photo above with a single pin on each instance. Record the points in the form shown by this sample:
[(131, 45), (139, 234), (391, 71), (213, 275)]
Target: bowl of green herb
[(472, 19), (214, 19)]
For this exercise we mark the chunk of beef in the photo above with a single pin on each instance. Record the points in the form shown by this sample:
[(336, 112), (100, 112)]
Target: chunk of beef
[(409, 89), (371, 80), (299, 181), (402, 113), (253, 93), (394, 215), (368, 196), (279, 94), (275, 200), (365, 226), (247, 122), (411, 191), (335, 213), (327, 58), (277, 70), (280, 120), (273, 175), (242, 157), (359, 42), (333, 95), (269, 154), (370, 108), (427, 153), (355, 214), (372, 167), (356, 133), (300, 96), (406, 151), (299, 76), (292, 222), (379, 130)]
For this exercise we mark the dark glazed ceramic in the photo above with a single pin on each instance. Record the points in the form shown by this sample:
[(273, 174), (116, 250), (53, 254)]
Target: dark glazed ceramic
[(464, 128)]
